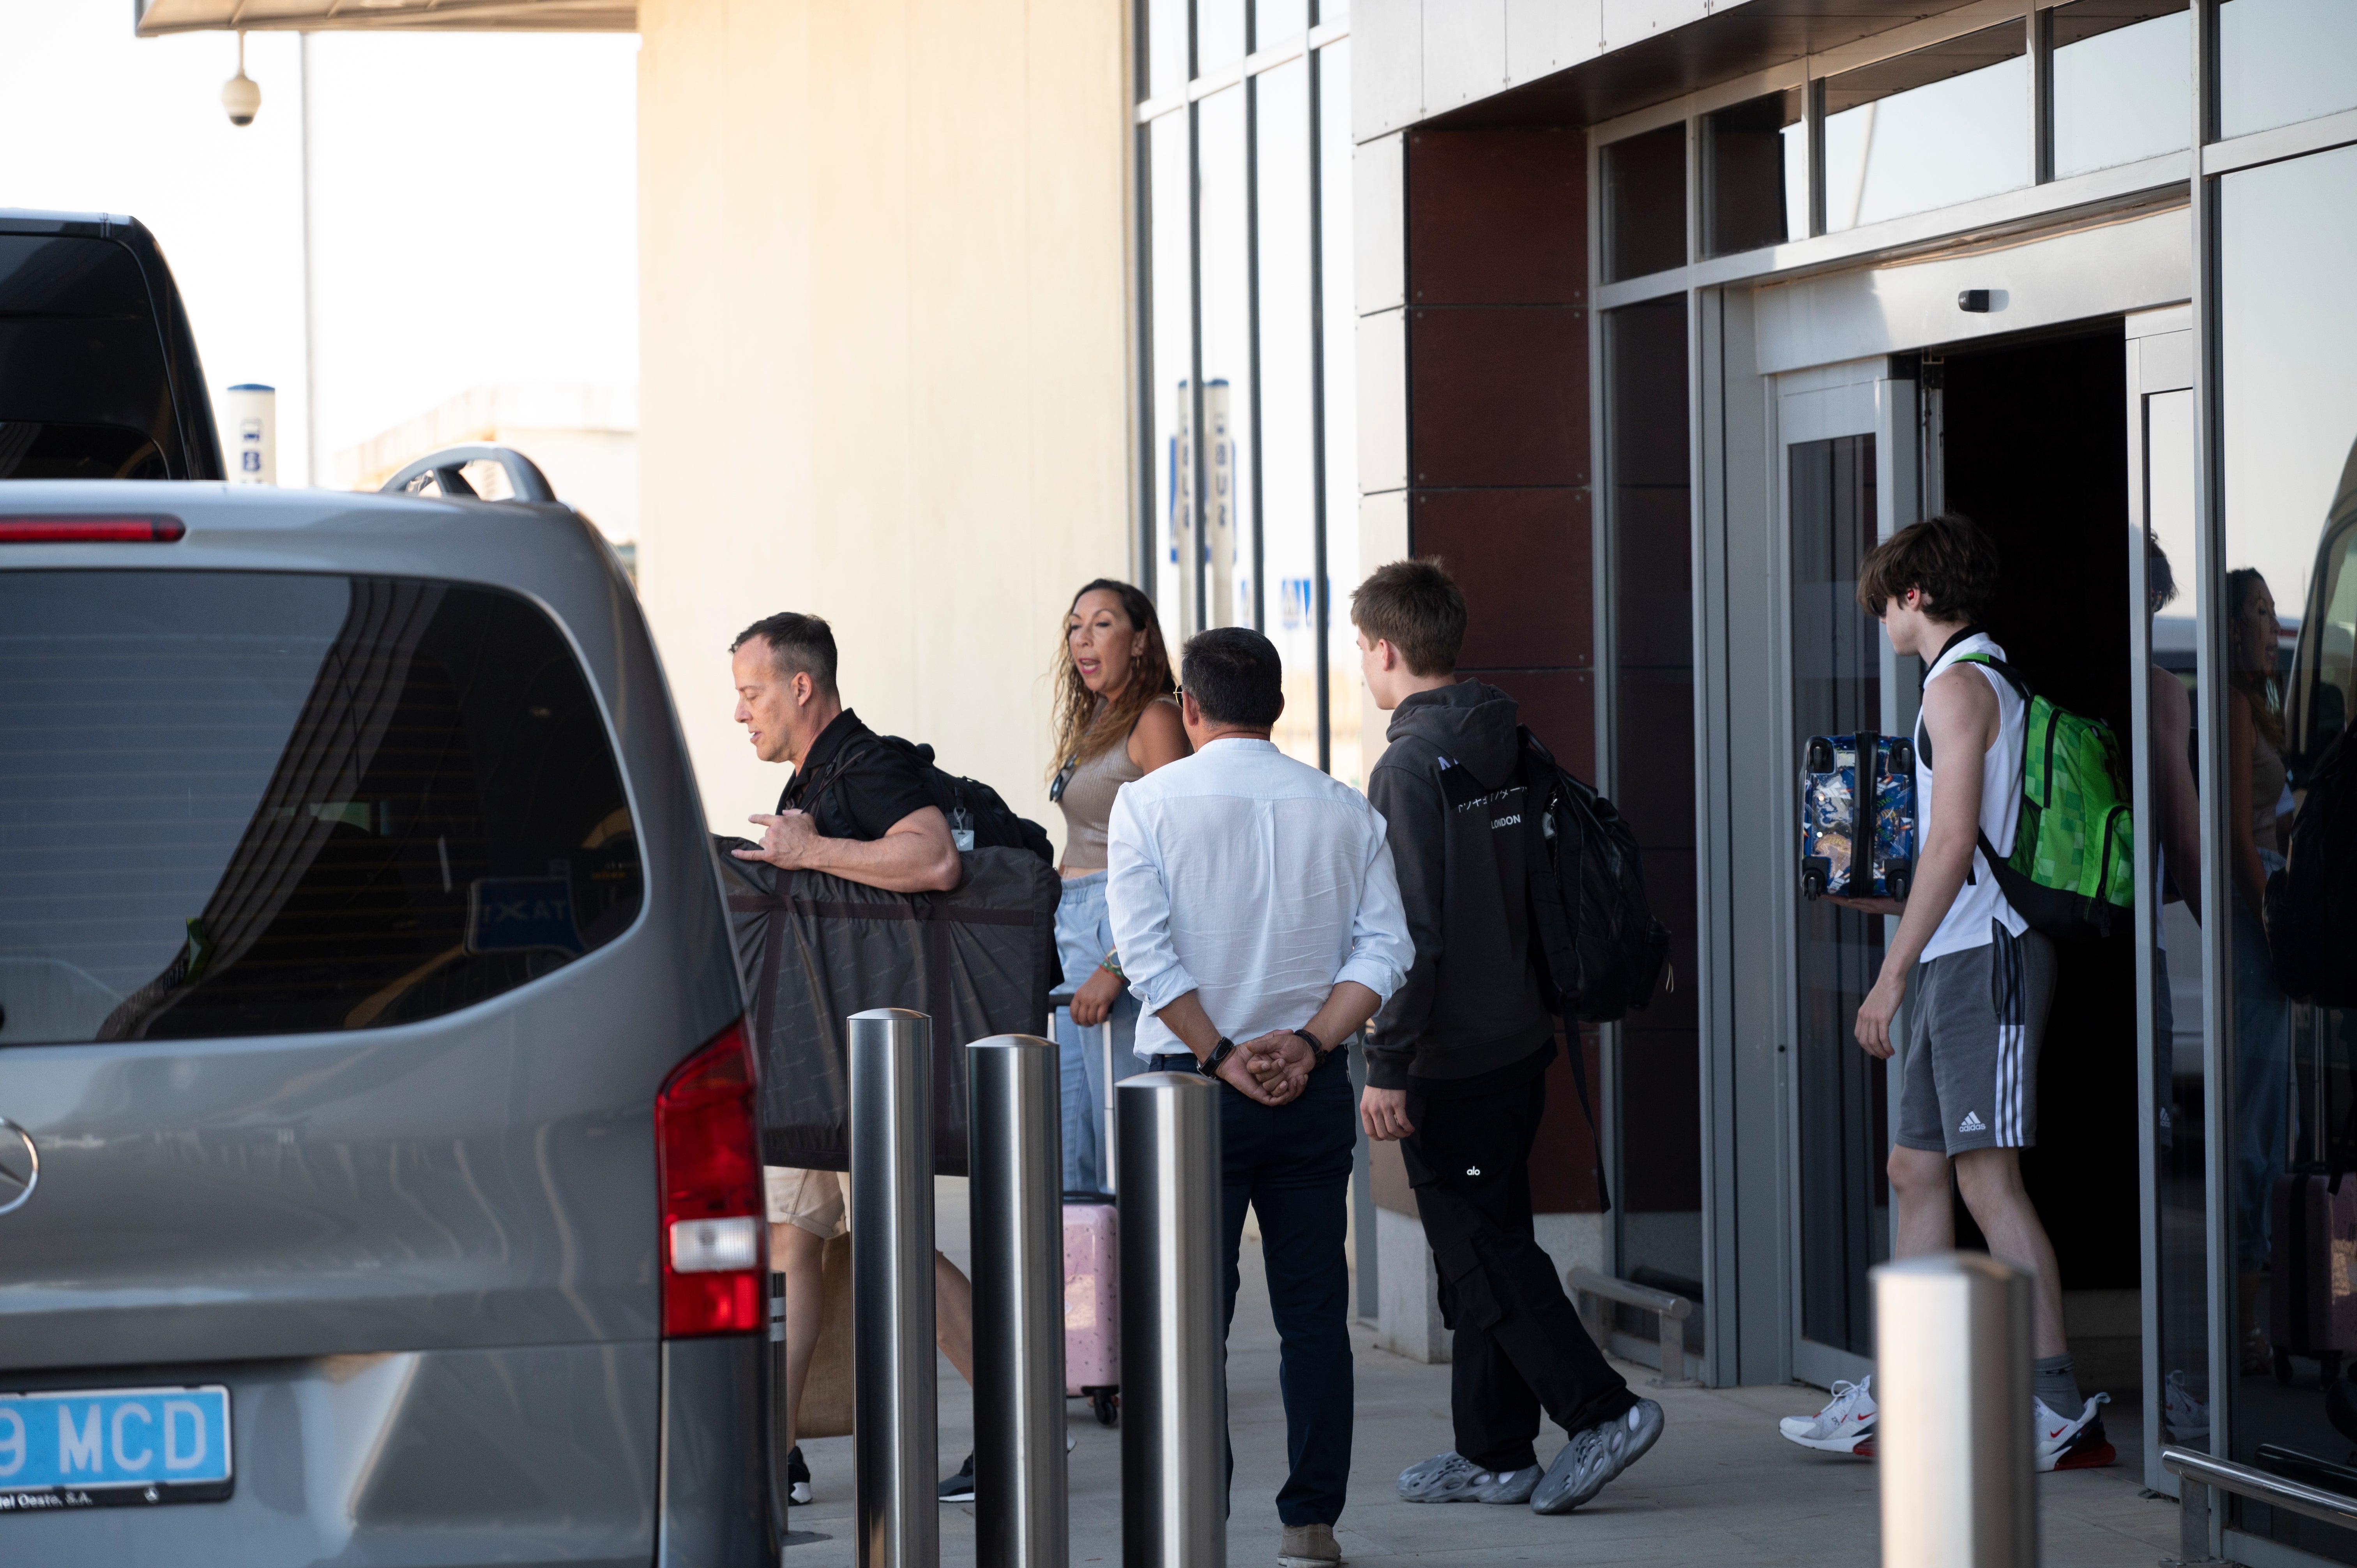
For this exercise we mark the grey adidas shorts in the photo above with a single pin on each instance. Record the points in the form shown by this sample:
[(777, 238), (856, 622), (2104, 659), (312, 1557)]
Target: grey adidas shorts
[(1969, 1079)]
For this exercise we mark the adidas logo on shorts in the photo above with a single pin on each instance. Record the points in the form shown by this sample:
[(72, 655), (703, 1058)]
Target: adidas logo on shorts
[(1972, 1124)]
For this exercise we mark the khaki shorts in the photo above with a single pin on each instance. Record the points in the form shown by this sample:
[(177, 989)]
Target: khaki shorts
[(815, 1200)]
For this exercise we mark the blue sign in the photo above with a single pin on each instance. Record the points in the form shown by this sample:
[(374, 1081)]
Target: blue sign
[(513, 914), (57, 1449)]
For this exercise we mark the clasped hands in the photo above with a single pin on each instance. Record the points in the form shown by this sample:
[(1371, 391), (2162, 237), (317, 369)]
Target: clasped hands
[(1272, 1069)]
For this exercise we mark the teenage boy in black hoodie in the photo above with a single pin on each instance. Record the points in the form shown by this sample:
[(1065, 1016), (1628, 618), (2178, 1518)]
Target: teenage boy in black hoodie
[(1457, 1065)]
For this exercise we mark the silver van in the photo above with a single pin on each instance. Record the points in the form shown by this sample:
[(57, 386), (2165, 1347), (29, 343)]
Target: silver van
[(377, 1169)]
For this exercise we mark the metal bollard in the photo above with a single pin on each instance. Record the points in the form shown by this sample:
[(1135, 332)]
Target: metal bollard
[(1174, 1387), (1014, 1126), (896, 1435), (1953, 1440)]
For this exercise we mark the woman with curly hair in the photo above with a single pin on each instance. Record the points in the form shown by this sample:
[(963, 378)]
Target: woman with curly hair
[(1117, 719)]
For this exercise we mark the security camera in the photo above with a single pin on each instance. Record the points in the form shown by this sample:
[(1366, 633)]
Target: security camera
[(241, 95)]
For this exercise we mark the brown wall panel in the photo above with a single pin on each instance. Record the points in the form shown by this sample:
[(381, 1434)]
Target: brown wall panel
[(1560, 707), (1563, 1162), (1523, 558), (1497, 216), (1498, 396)]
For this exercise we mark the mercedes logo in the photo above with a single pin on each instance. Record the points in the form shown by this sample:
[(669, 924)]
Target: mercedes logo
[(20, 1167)]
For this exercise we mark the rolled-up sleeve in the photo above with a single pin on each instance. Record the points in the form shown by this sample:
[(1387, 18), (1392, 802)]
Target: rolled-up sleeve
[(1381, 950), (1137, 903)]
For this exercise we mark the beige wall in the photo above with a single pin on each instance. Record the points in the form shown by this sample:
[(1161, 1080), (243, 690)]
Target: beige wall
[(884, 326)]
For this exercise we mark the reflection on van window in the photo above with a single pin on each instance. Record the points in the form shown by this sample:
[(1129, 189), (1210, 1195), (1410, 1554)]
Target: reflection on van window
[(246, 803), (1944, 124), (2122, 69)]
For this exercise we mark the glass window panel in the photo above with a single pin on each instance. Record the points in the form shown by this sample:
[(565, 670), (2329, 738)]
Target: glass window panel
[(1171, 350), (2179, 1131), (1755, 173), (1275, 21), (1337, 287), (2288, 398), (1289, 454), (1167, 70), (1844, 1137), (1925, 130), (352, 802), (1659, 1206), (1229, 585), (2122, 70), (2284, 61), (1645, 203), (1219, 35)]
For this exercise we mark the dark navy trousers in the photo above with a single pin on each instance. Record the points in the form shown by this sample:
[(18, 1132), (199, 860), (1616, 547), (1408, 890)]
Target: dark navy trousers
[(1291, 1165)]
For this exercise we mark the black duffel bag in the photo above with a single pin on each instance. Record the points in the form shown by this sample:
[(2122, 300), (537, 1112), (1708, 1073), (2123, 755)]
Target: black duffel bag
[(814, 949)]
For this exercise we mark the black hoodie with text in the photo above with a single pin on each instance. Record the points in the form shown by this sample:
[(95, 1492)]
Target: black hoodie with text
[(1450, 792)]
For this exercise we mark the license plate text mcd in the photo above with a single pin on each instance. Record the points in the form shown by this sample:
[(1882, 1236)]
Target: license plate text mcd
[(83, 1448)]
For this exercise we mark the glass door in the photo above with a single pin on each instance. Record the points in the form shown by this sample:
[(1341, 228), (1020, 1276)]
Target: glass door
[(1848, 477)]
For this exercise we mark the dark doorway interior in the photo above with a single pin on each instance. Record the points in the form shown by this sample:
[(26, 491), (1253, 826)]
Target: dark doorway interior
[(2036, 437)]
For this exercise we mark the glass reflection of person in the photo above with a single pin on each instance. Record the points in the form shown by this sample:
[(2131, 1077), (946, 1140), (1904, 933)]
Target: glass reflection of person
[(1116, 721), (2254, 781)]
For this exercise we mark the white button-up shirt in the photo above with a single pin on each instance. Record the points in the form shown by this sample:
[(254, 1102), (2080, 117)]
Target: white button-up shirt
[(1254, 879)]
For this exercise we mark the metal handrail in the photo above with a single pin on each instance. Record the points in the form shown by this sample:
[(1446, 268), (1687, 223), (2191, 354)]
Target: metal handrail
[(2260, 1487), (525, 477), (1670, 1313)]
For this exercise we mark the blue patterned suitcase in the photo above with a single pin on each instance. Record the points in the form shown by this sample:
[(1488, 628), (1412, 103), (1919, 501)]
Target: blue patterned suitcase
[(1830, 832)]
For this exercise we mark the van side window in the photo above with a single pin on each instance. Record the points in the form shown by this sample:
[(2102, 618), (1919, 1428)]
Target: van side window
[(257, 804)]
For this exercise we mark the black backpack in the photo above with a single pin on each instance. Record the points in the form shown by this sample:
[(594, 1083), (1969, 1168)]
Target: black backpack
[(2312, 902), (1604, 951), (979, 818)]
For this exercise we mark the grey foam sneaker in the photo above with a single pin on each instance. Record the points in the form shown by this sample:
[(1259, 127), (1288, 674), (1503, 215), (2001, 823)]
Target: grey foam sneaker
[(1453, 1478), (1309, 1546), (1595, 1456)]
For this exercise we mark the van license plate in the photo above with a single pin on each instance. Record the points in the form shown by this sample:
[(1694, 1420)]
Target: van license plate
[(91, 1448)]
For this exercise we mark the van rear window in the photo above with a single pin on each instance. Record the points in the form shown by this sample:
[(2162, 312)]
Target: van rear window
[(249, 803)]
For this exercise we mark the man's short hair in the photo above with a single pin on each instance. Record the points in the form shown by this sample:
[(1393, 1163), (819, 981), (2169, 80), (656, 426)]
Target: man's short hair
[(799, 645), (1949, 557), (1416, 607), (1234, 676)]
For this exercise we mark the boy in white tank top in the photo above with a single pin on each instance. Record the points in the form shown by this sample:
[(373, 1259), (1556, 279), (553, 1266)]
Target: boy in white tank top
[(1983, 979)]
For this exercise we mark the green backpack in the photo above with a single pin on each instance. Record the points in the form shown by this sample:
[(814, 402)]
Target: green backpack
[(2073, 871)]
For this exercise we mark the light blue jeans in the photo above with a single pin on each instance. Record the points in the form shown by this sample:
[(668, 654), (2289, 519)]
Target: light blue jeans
[(2262, 1079), (1083, 936)]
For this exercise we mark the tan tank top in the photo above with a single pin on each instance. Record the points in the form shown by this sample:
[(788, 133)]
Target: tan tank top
[(2267, 790), (1087, 803)]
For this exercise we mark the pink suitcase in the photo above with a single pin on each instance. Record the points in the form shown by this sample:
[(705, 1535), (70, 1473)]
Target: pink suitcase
[(1092, 1308)]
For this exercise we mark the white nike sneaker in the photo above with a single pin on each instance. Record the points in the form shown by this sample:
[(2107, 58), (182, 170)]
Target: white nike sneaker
[(1846, 1421), (2072, 1445), (2183, 1417)]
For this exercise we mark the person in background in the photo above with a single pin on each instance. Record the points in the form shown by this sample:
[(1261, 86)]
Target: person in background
[(860, 810), (1116, 721), (2255, 784), (1457, 1066), (1254, 900)]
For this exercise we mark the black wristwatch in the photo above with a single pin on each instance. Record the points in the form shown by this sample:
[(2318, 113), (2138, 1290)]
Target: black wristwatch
[(1209, 1066), (1318, 1048)]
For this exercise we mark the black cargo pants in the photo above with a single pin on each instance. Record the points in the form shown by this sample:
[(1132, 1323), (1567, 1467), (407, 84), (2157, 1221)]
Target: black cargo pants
[(1519, 1346)]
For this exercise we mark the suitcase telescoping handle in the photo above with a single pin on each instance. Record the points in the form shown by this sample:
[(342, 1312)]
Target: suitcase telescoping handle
[(443, 467)]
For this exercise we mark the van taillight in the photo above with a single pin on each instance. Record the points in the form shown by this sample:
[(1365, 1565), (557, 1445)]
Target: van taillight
[(708, 1159)]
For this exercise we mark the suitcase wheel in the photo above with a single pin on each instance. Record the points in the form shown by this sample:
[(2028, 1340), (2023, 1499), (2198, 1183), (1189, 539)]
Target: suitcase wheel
[(1820, 755), (2282, 1366), (1902, 758), (1106, 1402), (1898, 881), (1816, 872)]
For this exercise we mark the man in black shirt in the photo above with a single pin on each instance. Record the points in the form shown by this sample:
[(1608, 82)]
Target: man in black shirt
[(859, 810), (856, 808)]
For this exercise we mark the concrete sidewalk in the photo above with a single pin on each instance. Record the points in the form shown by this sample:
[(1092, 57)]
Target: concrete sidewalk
[(1719, 1488)]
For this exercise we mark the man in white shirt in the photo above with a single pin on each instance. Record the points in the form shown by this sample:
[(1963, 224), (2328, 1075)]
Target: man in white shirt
[(1253, 900)]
